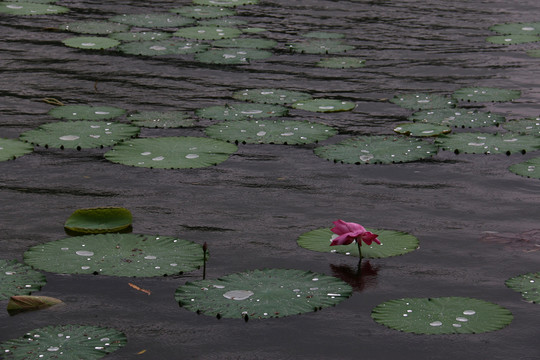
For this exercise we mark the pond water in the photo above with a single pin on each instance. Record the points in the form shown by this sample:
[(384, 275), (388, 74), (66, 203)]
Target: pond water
[(475, 219)]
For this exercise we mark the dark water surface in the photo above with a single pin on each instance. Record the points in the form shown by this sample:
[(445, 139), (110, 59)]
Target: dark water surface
[(251, 208)]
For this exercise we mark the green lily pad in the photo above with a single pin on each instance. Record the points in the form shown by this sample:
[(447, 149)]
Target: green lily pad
[(271, 96), (22, 303), (523, 126), (153, 20), (324, 35), (207, 32), (232, 56), (228, 22), (91, 42), (420, 101), (262, 294), (527, 285), (320, 46), (245, 43), (393, 243), (13, 148), (484, 143), (324, 105), (421, 129), (444, 315), (457, 117), (117, 254), (241, 111), (99, 220), (529, 168), (86, 112), (94, 27), (512, 39), (225, 3), (203, 12), (534, 53), (79, 134), (270, 131), (341, 63), (31, 8), (171, 152), (377, 149), (162, 119), (18, 279), (163, 47), (64, 341), (140, 36), (517, 28), (485, 94)]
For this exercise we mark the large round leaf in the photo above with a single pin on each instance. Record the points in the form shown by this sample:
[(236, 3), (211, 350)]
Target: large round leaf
[(270, 131), (523, 126), (484, 143), (161, 119), (241, 111), (153, 20), (79, 134), (99, 220), (232, 56), (393, 243), (225, 3), (377, 149), (18, 279), (421, 129), (203, 12), (86, 112), (30, 8), (271, 96), (262, 294), (529, 168), (207, 32), (420, 101), (64, 342), (457, 117), (117, 255), (171, 152), (163, 47), (484, 94), (91, 42), (444, 315), (324, 105), (528, 285), (13, 148)]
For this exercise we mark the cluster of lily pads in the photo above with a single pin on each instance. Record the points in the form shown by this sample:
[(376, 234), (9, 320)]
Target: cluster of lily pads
[(517, 33)]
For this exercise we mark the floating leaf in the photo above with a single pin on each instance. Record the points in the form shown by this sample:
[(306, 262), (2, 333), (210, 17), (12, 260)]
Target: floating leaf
[(163, 47), (271, 96), (534, 53), (444, 315), (21, 303), (64, 341), (377, 149), (457, 117), (140, 36), (232, 56), (523, 126), (241, 111), (324, 105), (517, 28), (245, 43), (203, 12), (91, 42), (13, 148), (31, 8), (85, 112), (207, 32), (171, 152), (529, 168), (165, 119), (527, 285), (79, 134), (261, 294), (484, 143), (421, 129), (94, 27), (484, 94), (225, 3), (99, 220), (419, 101), (393, 243), (18, 279), (341, 62), (155, 20), (117, 254), (222, 22), (512, 39), (270, 131), (324, 35), (320, 46)]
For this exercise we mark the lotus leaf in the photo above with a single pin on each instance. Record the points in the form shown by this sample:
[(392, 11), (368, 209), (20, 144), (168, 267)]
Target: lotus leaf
[(484, 143), (99, 220), (161, 119), (91, 42), (420, 101), (512, 39), (18, 279), (232, 56), (207, 32), (203, 12), (245, 43), (271, 96), (140, 36), (86, 112), (31, 8), (527, 285), (529, 168), (13, 148), (421, 129), (320, 46), (163, 47), (94, 27), (484, 94), (241, 111), (523, 126), (154, 20), (517, 28), (225, 3), (457, 117), (324, 105)]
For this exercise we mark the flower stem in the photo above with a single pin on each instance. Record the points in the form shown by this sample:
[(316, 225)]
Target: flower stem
[(359, 250)]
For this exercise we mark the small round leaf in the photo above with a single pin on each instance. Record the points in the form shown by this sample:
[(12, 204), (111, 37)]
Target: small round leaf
[(529, 168), (18, 279), (527, 285)]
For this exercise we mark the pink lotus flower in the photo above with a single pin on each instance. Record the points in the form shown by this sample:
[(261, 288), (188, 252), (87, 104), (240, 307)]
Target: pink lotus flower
[(349, 232)]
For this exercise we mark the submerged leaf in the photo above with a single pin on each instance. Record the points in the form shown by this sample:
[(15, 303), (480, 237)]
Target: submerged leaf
[(341, 62)]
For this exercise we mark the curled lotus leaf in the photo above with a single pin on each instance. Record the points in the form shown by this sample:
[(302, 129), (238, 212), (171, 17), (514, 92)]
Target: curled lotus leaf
[(99, 220), (21, 303)]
